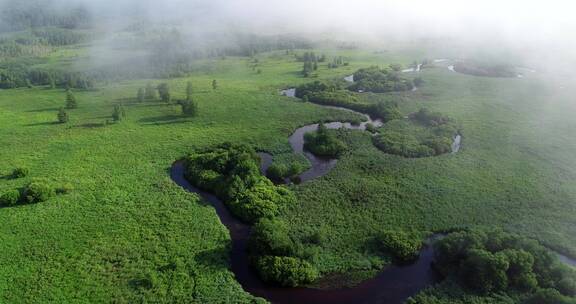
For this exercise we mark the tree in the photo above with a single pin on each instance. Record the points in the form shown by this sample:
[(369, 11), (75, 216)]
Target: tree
[(485, 271), (71, 102), (51, 82), (189, 107), (62, 116), (214, 84), (119, 113), (189, 90), (141, 95), (164, 92), (149, 92)]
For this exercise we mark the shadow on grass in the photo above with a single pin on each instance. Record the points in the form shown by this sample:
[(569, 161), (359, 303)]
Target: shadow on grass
[(216, 258), (164, 120), (92, 125), (46, 123), (44, 110)]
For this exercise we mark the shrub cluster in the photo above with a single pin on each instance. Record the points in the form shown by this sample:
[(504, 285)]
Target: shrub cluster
[(20, 172), (232, 173), (495, 261), (429, 134), (37, 191), (397, 143), (10, 198), (431, 119), (323, 143), (403, 246), (332, 94), (276, 256), (377, 80), (279, 172), (34, 192)]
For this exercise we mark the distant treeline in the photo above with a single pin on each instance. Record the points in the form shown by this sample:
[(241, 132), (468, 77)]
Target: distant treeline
[(23, 14)]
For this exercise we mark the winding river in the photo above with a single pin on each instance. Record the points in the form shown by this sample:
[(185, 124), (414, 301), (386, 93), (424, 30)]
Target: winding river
[(393, 285)]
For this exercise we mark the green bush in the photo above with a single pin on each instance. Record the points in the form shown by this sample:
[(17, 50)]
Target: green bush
[(270, 237), (20, 172), (371, 128), (485, 271), (37, 191), (549, 296), (428, 118), (286, 271), (403, 247), (425, 134), (323, 143), (374, 79), (9, 198), (314, 87), (232, 173), (386, 111), (396, 143), (495, 261), (188, 107), (262, 200), (277, 172)]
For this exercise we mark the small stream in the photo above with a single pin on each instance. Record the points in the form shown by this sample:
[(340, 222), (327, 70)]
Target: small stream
[(320, 166)]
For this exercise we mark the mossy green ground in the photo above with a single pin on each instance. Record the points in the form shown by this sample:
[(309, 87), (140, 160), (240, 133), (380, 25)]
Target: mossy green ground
[(128, 234)]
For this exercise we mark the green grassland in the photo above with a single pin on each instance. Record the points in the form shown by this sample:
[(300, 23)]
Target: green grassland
[(128, 234)]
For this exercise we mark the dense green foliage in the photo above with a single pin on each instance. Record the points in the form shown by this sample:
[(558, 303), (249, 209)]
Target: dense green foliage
[(189, 107), (324, 143), (332, 94), (20, 172), (424, 134), (287, 271), (71, 102), (278, 172), (17, 15), (37, 191), (377, 80), (119, 113), (310, 61), (495, 261), (232, 173), (164, 92), (62, 116), (276, 256), (130, 235), (403, 246), (9, 198)]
